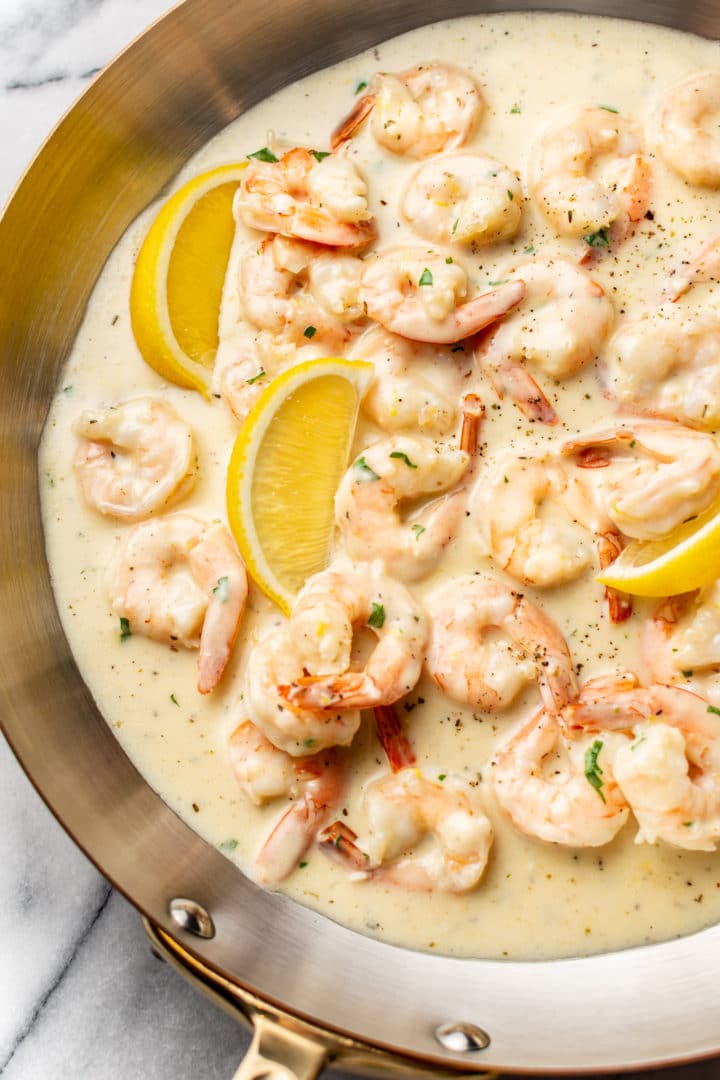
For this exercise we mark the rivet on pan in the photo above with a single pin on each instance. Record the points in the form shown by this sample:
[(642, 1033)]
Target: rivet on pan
[(191, 917), (462, 1038)]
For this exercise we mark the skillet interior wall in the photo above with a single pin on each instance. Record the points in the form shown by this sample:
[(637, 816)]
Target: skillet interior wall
[(183, 81)]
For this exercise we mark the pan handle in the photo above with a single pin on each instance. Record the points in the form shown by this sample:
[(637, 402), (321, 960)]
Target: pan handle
[(276, 1053)]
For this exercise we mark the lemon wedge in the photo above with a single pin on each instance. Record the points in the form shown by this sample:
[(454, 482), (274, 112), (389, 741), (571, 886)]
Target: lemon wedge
[(179, 275), (686, 559), (287, 462)]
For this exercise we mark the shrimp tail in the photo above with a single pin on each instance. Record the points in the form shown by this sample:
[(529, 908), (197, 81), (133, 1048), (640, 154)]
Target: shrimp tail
[(290, 838), (393, 739), (349, 690), (608, 546), (524, 391), (350, 124), (338, 842)]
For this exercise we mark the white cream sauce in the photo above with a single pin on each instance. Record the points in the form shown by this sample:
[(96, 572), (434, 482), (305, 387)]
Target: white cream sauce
[(536, 900)]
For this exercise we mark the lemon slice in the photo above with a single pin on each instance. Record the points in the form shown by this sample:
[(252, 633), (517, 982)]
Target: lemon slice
[(686, 559), (285, 468), (179, 275)]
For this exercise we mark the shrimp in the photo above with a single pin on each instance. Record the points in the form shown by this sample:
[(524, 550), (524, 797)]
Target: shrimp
[(401, 397), (402, 809), (419, 294), (576, 203), (665, 363), (327, 609), (423, 111), (704, 267), (387, 473), (686, 129), (180, 580), (669, 773), (244, 368), (664, 474), (540, 549), (315, 786), (275, 662), (485, 672), (323, 201), (463, 198), (134, 458), (561, 325), (681, 642), (298, 291), (561, 790)]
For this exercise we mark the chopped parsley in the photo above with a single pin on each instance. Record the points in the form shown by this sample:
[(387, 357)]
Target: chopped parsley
[(529, 250), (418, 530), (302, 865), (125, 631), (260, 375), (363, 473), (403, 457), (377, 616), (593, 772), (638, 742), (263, 154), (449, 259), (308, 743), (174, 700), (688, 674), (320, 155), (362, 85), (713, 709), (228, 845), (221, 590), (426, 277), (455, 224), (516, 108), (309, 332), (510, 194), (442, 775), (67, 389), (597, 239), (608, 108)]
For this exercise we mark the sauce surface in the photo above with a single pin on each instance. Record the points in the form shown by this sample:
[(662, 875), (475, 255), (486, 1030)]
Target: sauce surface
[(536, 900)]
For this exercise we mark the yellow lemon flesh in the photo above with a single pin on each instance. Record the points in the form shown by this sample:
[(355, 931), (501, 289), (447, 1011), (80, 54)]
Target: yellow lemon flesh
[(686, 559), (285, 468), (179, 276)]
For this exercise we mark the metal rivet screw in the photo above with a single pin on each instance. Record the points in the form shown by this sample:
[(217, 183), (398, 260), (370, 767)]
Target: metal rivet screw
[(462, 1038), (191, 917)]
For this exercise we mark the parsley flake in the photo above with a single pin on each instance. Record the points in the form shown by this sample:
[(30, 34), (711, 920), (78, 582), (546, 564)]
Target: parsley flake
[(403, 457), (174, 700), (309, 332), (593, 772), (377, 616), (516, 109), (418, 530), (597, 239), (510, 194), (320, 155), (426, 277), (608, 108), (713, 709), (125, 631), (263, 154), (363, 473), (221, 590), (529, 250), (442, 775), (362, 85), (260, 375), (228, 845)]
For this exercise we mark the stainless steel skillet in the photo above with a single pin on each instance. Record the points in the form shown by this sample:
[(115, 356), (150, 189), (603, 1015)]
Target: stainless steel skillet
[(156, 105)]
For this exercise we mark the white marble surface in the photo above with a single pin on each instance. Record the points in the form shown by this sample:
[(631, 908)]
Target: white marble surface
[(80, 994)]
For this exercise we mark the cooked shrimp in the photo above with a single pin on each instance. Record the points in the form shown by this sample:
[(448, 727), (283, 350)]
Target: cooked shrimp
[(180, 580), (473, 665), (662, 474), (561, 324), (298, 291), (705, 266), (298, 196), (420, 295), (423, 111), (276, 662), (561, 790), (577, 203), (463, 198), (314, 785), (681, 642), (134, 458), (387, 473), (666, 363), (401, 395), (401, 810), (533, 519), (325, 614), (244, 367), (687, 136), (669, 774)]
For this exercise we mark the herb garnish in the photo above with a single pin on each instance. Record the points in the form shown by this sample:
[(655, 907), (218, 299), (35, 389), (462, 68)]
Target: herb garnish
[(516, 108), (510, 194), (174, 700), (228, 845), (418, 530), (362, 85), (125, 631), (309, 332), (263, 154), (608, 108), (593, 772), (260, 375), (713, 709), (320, 155), (426, 277), (377, 616), (221, 590), (403, 457), (597, 239), (363, 473)]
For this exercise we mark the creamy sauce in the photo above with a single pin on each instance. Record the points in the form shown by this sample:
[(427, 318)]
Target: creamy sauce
[(536, 900)]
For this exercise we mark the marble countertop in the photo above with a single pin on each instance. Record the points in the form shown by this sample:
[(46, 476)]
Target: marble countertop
[(80, 993)]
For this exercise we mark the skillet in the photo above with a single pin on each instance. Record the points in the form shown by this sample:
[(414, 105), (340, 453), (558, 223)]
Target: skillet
[(257, 952)]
